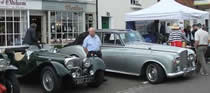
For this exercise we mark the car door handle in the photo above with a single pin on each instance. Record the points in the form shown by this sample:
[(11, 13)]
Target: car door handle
[(149, 48)]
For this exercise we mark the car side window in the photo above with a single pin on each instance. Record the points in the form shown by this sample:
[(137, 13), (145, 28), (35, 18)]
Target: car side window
[(108, 39), (111, 39)]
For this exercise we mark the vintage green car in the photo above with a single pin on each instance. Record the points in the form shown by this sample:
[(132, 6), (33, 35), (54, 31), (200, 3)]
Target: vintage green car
[(55, 69), (126, 52)]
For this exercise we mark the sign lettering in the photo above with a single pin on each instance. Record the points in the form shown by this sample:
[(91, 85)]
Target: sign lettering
[(13, 3), (73, 8)]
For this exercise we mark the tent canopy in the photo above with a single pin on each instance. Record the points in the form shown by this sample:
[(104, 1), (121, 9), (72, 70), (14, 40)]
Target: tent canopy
[(167, 10)]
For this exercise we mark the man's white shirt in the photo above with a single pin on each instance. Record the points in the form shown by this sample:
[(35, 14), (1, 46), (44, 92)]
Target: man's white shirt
[(202, 37)]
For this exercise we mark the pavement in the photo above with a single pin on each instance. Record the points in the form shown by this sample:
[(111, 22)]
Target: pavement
[(118, 83)]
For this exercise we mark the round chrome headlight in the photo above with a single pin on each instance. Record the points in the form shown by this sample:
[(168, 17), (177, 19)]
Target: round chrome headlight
[(86, 62), (177, 61), (191, 57), (68, 63)]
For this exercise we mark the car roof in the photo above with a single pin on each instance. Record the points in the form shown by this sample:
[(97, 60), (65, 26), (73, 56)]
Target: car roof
[(112, 30)]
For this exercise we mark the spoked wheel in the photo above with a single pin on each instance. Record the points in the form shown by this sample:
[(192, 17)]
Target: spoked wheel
[(154, 73), (12, 83), (51, 83)]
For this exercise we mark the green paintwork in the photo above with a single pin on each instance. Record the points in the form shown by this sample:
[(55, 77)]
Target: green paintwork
[(40, 59), (97, 64)]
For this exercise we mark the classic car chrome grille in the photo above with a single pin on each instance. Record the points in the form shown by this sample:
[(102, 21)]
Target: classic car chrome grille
[(79, 67), (77, 63), (184, 59)]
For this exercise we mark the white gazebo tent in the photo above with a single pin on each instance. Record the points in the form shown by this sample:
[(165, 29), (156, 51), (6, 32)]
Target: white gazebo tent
[(167, 10)]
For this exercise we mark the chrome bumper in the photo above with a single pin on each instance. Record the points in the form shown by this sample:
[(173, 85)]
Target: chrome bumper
[(182, 73)]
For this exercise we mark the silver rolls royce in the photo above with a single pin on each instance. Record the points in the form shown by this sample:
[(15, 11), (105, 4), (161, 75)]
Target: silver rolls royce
[(126, 52)]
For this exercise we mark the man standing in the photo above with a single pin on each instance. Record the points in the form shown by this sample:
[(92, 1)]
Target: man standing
[(201, 44), (92, 44), (31, 37), (195, 28), (168, 29)]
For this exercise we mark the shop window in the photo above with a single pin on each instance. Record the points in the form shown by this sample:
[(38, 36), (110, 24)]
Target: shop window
[(2, 28), (2, 34), (13, 23), (65, 26), (2, 19), (135, 2), (89, 21)]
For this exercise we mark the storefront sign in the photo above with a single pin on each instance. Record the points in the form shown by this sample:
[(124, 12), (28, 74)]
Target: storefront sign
[(62, 6), (13, 4), (73, 8)]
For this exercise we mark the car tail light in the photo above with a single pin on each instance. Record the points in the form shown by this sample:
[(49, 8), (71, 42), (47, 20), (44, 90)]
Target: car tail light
[(3, 89)]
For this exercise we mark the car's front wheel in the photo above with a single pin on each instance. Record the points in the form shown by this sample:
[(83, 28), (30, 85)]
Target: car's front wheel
[(50, 81), (98, 79), (154, 73)]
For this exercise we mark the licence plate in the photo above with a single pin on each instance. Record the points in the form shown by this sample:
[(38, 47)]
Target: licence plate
[(83, 80)]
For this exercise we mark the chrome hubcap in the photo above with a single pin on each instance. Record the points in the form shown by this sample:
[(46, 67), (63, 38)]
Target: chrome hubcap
[(47, 81), (151, 73)]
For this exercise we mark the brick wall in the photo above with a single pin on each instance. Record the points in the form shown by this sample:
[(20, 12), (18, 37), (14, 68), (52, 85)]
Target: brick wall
[(186, 2)]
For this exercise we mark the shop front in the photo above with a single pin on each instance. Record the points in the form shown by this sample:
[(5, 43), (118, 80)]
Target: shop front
[(58, 21), (65, 26), (13, 22), (66, 20)]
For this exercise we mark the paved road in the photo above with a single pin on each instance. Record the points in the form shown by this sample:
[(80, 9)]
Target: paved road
[(118, 83), (195, 84), (114, 83)]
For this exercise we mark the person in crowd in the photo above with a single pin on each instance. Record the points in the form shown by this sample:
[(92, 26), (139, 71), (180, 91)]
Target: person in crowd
[(168, 29), (31, 37), (163, 37), (204, 27), (195, 28), (176, 37), (189, 34), (92, 44), (201, 45)]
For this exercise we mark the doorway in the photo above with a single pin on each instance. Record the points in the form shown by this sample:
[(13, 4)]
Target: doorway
[(105, 22), (38, 21)]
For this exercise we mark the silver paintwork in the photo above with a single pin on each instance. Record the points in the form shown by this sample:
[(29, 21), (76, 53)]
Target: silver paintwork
[(131, 58)]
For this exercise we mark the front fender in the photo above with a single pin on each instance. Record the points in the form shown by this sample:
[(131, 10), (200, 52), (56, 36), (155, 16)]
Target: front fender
[(60, 69), (157, 62), (98, 64)]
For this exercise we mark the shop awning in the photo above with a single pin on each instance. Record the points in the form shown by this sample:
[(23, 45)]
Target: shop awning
[(167, 10)]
